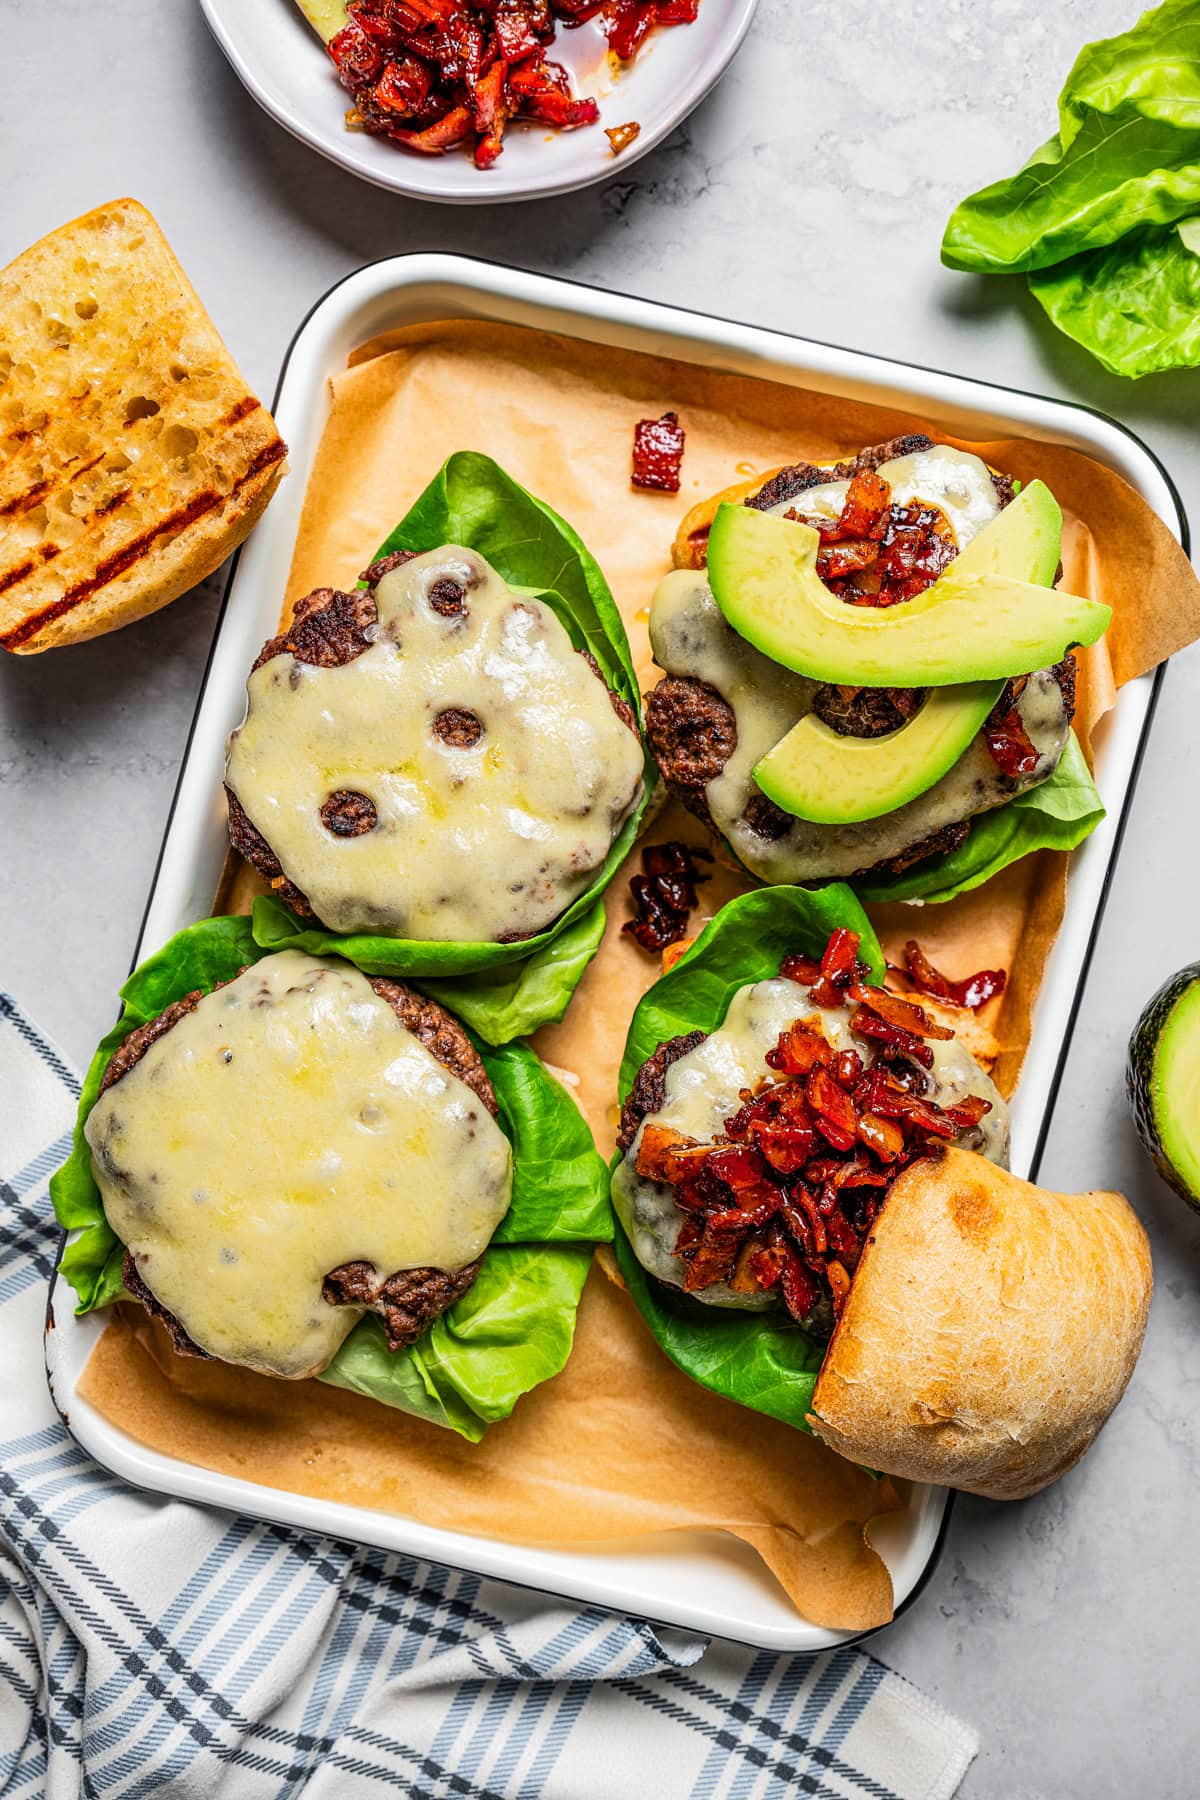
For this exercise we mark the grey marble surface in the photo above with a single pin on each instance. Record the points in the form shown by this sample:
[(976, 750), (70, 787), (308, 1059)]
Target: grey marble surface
[(808, 193)]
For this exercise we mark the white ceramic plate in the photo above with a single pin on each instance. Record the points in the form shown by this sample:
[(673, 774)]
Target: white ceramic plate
[(708, 1583), (283, 63)]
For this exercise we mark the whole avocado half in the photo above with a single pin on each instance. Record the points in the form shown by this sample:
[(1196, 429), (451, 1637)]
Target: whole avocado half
[(1162, 1079)]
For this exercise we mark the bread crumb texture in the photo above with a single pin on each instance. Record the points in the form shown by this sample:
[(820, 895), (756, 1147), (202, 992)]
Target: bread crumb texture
[(133, 458)]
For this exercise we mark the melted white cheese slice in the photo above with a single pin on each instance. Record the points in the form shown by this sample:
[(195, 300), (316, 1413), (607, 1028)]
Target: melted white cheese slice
[(703, 1091), (288, 1125), (470, 844)]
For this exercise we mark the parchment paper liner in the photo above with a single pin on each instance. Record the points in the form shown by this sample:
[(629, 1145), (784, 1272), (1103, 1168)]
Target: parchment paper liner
[(621, 1443)]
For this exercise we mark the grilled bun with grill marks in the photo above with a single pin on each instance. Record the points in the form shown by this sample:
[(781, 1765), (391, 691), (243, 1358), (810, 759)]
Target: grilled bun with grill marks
[(990, 1330), (133, 458)]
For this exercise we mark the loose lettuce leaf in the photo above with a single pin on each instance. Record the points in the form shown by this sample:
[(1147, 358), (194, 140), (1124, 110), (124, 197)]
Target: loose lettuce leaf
[(1058, 815), (1135, 305), (471, 501), (1103, 218), (761, 1360), (1126, 155), (511, 1330)]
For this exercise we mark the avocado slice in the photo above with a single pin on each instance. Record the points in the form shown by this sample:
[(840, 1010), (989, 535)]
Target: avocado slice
[(814, 773), (1162, 1078), (326, 17), (973, 624)]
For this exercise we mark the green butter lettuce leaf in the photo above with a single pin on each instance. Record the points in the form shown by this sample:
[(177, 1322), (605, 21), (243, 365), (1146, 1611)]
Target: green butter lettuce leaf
[(1058, 815), (746, 942), (497, 998), (761, 1360), (1126, 155), (1135, 305), (511, 1330), (515, 987), (471, 501)]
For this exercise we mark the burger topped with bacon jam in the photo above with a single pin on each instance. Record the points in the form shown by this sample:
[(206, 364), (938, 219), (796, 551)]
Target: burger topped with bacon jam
[(756, 1157)]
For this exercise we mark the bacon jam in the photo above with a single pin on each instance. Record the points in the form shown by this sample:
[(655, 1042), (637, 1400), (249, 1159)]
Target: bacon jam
[(434, 74), (664, 894), (971, 991), (782, 1202), (879, 553)]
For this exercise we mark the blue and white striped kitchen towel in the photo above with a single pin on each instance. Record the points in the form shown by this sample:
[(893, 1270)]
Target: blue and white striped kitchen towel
[(148, 1647)]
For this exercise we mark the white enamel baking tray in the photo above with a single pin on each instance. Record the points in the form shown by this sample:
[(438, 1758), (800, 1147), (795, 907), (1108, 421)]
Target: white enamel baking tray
[(705, 1582)]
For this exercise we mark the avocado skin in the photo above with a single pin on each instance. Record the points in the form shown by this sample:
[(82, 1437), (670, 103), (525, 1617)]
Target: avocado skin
[(1139, 1075)]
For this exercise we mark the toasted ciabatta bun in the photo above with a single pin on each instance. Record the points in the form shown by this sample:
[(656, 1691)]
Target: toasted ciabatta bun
[(133, 459), (989, 1332)]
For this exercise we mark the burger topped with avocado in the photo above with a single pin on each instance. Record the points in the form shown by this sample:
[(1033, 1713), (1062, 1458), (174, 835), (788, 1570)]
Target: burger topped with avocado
[(863, 660)]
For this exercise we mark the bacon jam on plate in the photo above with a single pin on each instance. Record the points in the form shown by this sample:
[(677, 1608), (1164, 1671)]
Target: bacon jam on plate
[(433, 74), (757, 1156)]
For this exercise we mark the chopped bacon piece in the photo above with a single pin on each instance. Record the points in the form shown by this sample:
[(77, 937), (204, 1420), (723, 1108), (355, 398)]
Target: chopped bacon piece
[(839, 560), (803, 969), (801, 1290), (541, 90), (738, 1166), (839, 966), (883, 1136), (665, 893), (628, 24), (864, 514), (621, 136), (744, 1280), (973, 990), (834, 1109), (787, 1196), (800, 1048), (355, 56), (1008, 742), (657, 1153), (709, 1261), (450, 130), (491, 115), (900, 1013), (658, 453), (403, 87), (915, 552)]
